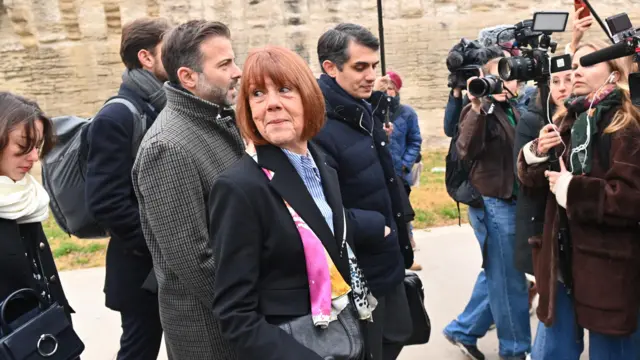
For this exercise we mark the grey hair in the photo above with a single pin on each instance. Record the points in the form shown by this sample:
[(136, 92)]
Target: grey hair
[(333, 45)]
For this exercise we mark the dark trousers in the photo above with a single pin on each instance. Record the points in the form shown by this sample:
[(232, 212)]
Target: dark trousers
[(391, 326), (141, 333)]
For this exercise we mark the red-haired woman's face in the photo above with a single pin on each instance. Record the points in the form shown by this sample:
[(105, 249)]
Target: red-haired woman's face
[(279, 115), (12, 163)]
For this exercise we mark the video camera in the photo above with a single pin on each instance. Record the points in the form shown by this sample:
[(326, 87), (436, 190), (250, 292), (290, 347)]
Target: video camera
[(466, 58), (626, 43), (533, 39)]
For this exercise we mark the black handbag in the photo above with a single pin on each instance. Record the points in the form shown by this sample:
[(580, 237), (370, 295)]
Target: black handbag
[(421, 322), (43, 331), (341, 340), (48, 334)]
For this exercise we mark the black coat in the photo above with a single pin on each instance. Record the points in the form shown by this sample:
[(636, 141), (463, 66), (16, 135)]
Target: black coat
[(530, 207), (111, 201), (261, 273), (20, 244), (357, 148)]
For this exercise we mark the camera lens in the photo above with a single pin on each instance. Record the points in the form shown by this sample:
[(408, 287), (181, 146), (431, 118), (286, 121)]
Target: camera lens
[(516, 68), (485, 86)]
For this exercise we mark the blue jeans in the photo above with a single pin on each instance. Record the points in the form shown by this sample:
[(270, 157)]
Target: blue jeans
[(559, 342), (500, 294)]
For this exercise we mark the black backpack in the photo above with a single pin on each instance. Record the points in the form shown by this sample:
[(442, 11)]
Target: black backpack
[(457, 179), (64, 170)]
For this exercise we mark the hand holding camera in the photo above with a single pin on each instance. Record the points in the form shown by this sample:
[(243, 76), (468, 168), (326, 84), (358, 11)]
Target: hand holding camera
[(479, 87)]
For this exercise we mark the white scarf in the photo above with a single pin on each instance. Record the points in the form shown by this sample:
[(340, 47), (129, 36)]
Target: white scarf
[(25, 201)]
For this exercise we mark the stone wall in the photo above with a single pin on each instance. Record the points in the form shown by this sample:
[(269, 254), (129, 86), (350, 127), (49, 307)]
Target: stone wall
[(64, 53)]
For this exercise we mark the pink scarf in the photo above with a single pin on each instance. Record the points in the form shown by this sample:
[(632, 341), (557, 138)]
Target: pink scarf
[(327, 289)]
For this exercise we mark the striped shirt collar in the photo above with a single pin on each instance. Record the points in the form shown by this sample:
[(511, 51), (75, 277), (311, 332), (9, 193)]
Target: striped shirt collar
[(300, 162)]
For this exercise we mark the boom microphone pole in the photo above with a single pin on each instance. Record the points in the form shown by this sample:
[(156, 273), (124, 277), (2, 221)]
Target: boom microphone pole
[(602, 25), (381, 35)]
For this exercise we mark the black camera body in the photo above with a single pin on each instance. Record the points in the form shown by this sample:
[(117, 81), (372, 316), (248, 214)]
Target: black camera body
[(525, 36), (463, 74), (465, 59), (533, 38), (532, 65), (620, 27)]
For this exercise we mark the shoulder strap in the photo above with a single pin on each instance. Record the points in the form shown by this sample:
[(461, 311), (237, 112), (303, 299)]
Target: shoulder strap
[(45, 280), (139, 124)]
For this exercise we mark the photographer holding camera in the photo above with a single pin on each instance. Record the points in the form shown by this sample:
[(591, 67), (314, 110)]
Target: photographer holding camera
[(463, 61), (487, 131), (466, 58), (587, 259)]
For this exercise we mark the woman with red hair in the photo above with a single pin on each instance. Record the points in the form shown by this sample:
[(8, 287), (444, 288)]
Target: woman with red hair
[(277, 225)]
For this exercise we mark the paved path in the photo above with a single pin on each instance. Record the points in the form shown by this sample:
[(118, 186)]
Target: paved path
[(450, 257)]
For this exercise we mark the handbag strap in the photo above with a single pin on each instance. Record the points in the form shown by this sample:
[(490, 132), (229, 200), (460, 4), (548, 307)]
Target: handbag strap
[(16, 294), (343, 246)]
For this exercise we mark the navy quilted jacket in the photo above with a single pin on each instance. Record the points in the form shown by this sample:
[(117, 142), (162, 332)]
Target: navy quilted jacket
[(357, 147)]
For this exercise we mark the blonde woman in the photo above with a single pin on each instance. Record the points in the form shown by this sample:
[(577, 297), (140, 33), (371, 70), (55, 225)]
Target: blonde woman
[(597, 137)]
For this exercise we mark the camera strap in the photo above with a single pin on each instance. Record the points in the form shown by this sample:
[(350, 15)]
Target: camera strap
[(491, 108)]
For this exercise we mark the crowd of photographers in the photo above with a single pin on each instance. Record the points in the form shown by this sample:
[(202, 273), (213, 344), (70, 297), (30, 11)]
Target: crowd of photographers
[(547, 159)]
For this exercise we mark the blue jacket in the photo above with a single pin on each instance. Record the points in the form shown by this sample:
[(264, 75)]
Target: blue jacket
[(112, 202), (452, 113), (522, 103), (357, 147), (406, 141)]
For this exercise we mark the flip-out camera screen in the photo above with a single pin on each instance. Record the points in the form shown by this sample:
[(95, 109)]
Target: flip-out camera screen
[(550, 21)]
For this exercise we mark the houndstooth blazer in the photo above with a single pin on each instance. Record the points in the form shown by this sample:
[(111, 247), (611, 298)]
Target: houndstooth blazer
[(191, 142)]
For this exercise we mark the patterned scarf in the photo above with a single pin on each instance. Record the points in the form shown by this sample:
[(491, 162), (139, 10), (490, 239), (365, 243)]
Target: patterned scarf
[(588, 111), (328, 291)]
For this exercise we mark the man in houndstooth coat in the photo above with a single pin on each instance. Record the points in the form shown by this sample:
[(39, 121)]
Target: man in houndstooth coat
[(192, 141)]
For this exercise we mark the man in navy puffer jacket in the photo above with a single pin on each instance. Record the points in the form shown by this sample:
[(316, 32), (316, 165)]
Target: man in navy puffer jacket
[(357, 146)]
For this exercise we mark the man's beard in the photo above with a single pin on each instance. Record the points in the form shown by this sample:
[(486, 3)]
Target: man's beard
[(161, 76), (159, 72), (215, 94)]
